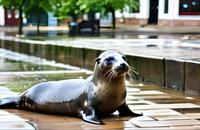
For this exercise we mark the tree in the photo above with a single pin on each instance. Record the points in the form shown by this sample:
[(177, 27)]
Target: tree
[(15, 5), (66, 8), (106, 6), (26, 6), (38, 6)]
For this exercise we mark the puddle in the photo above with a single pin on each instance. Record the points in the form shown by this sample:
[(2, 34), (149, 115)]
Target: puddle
[(11, 65), (105, 34), (19, 71), (26, 62)]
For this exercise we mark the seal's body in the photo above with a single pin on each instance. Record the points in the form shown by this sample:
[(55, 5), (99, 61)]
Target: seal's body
[(100, 94)]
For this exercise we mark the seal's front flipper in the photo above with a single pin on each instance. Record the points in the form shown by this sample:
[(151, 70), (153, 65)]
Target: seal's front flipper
[(124, 110), (9, 102), (91, 118)]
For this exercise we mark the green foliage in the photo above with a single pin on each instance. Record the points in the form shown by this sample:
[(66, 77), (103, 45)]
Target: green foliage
[(37, 6), (106, 6), (73, 8), (65, 8), (28, 5), (11, 4)]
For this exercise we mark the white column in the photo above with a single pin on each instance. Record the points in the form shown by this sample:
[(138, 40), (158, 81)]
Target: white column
[(172, 10), (2, 16)]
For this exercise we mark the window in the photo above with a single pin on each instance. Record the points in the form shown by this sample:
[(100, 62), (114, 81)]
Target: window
[(166, 6), (189, 7)]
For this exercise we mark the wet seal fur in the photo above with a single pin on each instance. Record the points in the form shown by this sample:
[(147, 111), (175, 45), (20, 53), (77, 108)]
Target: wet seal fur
[(101, 94)]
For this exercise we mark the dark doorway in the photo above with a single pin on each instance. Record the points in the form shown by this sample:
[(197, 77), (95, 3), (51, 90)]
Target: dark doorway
[(33, 18), (153, 12)]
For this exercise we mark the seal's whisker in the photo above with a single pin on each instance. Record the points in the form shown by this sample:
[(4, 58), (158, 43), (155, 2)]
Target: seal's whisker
[(109, 75), (112, 75), (108, 72), (134, 71), (132, 68)]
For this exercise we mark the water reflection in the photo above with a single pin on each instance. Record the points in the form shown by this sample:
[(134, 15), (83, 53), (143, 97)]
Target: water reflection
[(58, 56), (14, 61), (104, 34)]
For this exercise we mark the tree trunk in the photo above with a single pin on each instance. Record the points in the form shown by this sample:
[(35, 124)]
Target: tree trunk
[(91, 16), (113, 19), (20, 21), (74, 18), (38, 22)]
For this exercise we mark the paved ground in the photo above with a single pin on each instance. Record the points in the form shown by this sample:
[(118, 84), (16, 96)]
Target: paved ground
[(181, 49), (162, 109), (123, 28)]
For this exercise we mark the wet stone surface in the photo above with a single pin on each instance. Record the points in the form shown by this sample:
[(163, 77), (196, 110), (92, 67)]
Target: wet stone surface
[(151, 57), (161, 108)]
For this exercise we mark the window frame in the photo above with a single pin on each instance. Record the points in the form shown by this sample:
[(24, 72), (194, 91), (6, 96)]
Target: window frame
[(190, 12)]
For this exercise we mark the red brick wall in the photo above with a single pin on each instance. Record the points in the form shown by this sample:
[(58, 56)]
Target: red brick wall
[(134, 21), (190, 23)]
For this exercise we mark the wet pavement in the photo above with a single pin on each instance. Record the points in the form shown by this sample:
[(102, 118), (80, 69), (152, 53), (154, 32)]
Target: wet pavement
[(186, 49), (157, 60), (123, 31), (162, 108), (149, 40)]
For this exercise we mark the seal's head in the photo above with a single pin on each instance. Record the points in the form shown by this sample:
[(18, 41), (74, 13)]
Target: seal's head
[(112, 64)]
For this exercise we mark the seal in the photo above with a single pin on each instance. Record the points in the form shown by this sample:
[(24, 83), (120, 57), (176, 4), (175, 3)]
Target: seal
[(101, 94)]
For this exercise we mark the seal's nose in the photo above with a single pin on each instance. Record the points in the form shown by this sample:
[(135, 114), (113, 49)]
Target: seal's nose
[(124, 67)]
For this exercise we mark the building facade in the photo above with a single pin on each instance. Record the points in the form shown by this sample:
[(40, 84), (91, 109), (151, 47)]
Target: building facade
[(8, 17), (158, 12), (164, 13), (11, 18)]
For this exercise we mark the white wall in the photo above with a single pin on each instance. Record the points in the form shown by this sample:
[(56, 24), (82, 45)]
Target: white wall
[(173, 13), (2, 19), (144, 11)]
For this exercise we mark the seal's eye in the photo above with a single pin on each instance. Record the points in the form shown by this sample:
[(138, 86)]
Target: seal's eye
[(97, 60), (124, 57), (109, 60)]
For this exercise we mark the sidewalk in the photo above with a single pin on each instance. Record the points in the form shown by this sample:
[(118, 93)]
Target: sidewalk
[(159, 29), (163, 109), (119, 29)]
